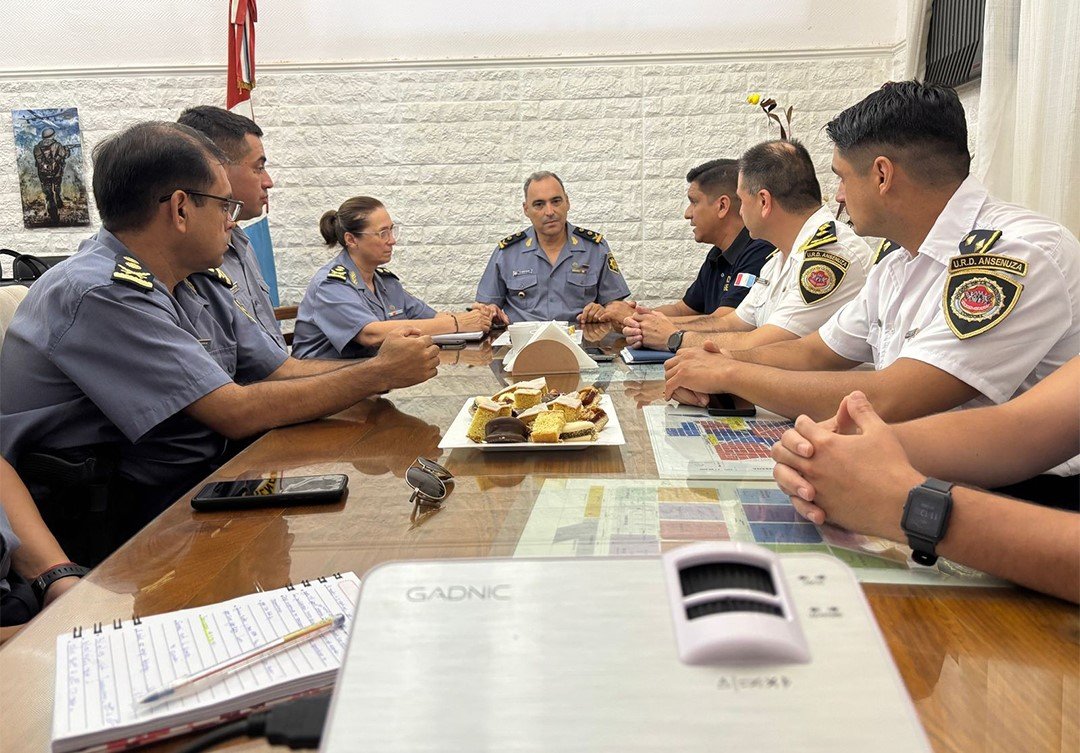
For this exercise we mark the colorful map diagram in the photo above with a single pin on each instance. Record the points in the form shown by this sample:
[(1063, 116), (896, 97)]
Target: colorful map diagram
[(702, 446), (626, 517)]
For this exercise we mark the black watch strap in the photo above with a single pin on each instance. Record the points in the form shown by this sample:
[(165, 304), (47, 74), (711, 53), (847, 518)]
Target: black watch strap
[(41, 583)]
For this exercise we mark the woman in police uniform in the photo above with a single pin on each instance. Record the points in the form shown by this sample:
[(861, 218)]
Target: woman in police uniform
[(354, 302)]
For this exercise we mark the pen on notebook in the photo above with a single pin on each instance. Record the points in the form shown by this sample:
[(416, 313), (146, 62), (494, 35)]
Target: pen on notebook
[(241, 660)]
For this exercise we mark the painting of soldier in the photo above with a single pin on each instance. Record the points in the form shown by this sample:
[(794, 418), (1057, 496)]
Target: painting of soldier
[(49, 154)]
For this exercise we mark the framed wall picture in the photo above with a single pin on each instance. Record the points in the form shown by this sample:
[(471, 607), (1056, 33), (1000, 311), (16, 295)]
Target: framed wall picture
[(49, 157)]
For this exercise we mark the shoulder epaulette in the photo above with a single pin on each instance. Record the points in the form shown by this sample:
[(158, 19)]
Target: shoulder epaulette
[(218, 275), (384, 272), (825, 235), (338, 272), (510, 240), (979, 241), (587, 234), (129, 271), (772, 253), (885, 248)]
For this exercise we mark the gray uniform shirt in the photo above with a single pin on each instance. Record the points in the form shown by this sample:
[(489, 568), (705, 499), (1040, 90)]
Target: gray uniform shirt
[(9, 542), (249, 287), (99, 351), (338, 305), (520, 279)]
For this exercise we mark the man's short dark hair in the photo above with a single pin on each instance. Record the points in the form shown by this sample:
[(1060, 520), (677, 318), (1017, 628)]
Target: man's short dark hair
[(224, 128), (917, 125), (133, 169), (716, 178), (542, 175), (785, 170)]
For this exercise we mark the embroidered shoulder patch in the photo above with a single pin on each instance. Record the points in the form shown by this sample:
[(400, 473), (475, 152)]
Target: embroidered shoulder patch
[(885, 248), (820, 275), (977, 300), (510, 240), (384, 272), (590, 235), (824, 235), (612, 264), (338, 272), (979, 241), (129, 271)]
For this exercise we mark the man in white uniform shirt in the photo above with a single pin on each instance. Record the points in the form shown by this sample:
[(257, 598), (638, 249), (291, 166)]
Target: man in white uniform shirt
[(981, 301), (818, 266)]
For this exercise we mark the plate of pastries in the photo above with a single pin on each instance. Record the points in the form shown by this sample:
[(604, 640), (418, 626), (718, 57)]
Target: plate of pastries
[(530, 415)]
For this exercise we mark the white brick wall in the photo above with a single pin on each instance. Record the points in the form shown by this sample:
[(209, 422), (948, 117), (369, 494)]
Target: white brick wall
[(447, 149)]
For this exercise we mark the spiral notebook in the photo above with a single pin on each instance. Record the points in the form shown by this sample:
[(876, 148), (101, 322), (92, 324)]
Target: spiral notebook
[(102, 670)]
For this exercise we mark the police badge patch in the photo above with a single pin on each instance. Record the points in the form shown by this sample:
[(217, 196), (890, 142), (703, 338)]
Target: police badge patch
[(612, 264), (820, 274), (977, 301)]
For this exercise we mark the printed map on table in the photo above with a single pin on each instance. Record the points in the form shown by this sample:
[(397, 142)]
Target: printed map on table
[(697, 446), (624, 517)]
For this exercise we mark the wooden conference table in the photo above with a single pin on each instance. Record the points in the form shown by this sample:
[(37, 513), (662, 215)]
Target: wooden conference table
[(988, 669)]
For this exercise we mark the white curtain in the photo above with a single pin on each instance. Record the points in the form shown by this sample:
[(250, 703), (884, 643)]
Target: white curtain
[(918, 30), (1027, 150)]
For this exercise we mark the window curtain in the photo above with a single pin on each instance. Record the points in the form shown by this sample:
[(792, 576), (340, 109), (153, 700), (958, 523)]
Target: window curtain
[(1027, 148)]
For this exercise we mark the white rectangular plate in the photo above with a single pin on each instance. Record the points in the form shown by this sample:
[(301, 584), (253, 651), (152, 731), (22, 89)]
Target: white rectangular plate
[(455, 438), (453, 336)]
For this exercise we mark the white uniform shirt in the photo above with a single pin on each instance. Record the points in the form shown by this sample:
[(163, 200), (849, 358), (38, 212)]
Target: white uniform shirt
[(1000, 321), (801, 291)]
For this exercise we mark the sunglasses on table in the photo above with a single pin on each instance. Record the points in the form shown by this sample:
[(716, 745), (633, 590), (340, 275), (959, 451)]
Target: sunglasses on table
[(428, 480)]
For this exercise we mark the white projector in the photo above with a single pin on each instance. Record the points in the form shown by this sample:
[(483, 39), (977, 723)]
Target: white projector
[(720, 646)]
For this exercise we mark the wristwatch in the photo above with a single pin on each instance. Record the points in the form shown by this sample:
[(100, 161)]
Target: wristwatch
[(674, 342), (926, 518), (41, 583)]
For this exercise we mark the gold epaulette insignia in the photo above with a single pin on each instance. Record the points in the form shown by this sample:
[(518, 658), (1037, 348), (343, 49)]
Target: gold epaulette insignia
[(825, 235), (129, 271), (587, 234), (510, 240)]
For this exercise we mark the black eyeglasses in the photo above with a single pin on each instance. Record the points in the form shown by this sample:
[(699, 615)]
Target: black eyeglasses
[(428, 480), (231, 207)]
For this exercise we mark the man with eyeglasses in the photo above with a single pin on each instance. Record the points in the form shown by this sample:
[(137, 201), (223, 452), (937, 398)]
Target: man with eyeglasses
[(123, 386), (241, 140), (553, 270)]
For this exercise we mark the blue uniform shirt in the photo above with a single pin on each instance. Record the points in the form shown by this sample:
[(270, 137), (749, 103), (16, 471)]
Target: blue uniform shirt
[(338, 305), (520, 279), (99, 351), (249, 287), (9, 542), (726, 276)]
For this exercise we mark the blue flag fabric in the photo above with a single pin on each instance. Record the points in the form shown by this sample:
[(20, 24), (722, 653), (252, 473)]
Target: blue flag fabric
[(259, 234)]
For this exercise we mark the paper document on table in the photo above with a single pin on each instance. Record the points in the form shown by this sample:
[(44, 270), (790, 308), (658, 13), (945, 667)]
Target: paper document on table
[(688, 443), (102, 671)]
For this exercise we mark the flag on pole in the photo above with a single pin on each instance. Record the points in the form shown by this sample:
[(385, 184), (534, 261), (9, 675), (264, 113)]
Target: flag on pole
[(242, 18)]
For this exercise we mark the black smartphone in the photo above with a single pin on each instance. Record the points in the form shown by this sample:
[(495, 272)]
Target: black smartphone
[(726, 404), (271, 491), (598, 355)]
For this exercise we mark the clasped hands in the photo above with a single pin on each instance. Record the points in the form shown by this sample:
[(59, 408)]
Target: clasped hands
[(646, 328), (850, 469)]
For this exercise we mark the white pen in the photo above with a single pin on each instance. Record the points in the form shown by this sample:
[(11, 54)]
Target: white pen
[(240, 661)]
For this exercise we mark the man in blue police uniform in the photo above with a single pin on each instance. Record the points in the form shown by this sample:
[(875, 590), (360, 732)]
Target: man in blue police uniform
[(552, 270), (241, 140), (121, 388), (730, 269)]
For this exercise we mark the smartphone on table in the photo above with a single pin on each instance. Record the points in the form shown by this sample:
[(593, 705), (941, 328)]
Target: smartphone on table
[(273, 490), (598, 355), (726, 404)]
